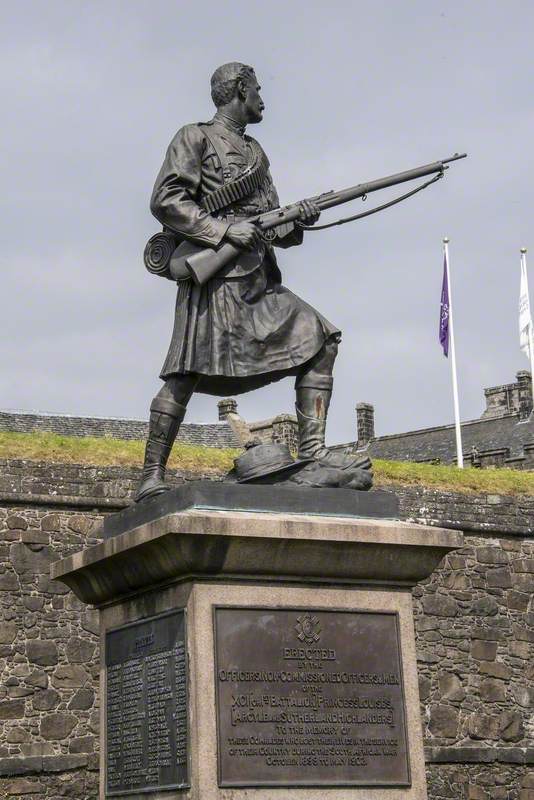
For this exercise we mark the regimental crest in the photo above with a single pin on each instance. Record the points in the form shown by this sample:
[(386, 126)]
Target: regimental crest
[(308, 628)]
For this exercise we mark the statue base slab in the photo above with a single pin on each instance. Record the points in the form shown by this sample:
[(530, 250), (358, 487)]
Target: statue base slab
[(259, 655), (231, 496)]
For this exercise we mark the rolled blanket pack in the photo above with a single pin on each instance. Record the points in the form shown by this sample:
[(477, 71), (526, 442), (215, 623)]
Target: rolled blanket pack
[(158, 252)]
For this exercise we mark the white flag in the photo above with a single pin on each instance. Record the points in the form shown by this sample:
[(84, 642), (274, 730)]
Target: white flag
[(525, 320)]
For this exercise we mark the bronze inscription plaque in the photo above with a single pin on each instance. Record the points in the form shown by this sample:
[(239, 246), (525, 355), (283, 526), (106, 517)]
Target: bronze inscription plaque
[(309, 697), (146, 706)]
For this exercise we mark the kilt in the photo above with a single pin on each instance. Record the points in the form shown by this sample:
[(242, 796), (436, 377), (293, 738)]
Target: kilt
[(242, 333)]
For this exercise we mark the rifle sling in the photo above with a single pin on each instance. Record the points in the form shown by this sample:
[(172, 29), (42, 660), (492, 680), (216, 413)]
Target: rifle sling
[(390, 203)]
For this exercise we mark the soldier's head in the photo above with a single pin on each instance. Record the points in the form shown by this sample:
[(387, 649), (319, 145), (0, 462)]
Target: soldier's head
[(234, 86)]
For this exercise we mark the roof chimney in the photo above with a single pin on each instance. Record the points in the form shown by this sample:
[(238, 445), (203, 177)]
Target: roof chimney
[(365, 418), (524, 391), (226, 406)]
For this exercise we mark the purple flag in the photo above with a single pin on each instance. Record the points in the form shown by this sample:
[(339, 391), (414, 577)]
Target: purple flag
[(444, 311)]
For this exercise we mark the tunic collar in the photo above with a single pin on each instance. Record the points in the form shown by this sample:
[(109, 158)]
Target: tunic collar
[(229, 123)]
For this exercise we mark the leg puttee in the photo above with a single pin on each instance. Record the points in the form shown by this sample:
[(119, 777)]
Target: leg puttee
[(314, 391), (165, 418)]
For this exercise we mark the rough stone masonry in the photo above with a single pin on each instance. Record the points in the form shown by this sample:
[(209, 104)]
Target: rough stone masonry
[(474, 627)]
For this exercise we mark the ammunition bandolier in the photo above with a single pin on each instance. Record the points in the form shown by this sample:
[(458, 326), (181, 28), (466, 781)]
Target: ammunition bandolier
[(233, 191)]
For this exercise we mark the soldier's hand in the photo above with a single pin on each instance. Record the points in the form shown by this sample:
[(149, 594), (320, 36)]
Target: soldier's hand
[(244, 235), (309, 212)]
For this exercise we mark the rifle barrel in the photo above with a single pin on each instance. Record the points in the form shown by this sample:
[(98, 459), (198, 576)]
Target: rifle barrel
[(455, 157), (332, 199), (291, 212)]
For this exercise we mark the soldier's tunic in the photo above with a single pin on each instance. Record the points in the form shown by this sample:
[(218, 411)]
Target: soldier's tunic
[(243, 329)]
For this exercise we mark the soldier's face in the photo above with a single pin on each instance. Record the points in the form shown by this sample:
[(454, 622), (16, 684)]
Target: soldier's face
[(254, 105)]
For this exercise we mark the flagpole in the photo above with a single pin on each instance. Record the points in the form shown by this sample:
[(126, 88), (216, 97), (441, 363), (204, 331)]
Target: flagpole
[(459, 453), (530, 335)]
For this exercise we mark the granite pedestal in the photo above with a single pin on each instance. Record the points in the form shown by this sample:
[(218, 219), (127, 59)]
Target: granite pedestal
[(251, 655)]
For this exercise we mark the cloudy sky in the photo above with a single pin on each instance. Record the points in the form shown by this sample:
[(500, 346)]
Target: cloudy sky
[(92, 92)]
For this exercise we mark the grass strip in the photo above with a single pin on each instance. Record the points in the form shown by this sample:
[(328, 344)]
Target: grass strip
[(450, 478), (103, 451), (106, 452)]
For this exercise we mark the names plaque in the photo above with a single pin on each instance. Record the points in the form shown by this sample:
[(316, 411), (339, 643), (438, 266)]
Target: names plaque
[(146, 706), (309, 697)]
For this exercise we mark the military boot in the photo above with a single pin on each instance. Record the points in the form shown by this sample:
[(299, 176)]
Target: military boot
[(165, 418), (312, 410)]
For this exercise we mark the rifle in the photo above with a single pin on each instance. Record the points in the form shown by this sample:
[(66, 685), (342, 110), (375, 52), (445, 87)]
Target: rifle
[(201, 264)]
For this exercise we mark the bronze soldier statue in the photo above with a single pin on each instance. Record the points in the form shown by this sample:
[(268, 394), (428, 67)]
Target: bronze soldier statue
[(243, 329)]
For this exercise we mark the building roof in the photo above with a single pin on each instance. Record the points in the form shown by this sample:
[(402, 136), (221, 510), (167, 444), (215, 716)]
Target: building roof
[(506, 432)]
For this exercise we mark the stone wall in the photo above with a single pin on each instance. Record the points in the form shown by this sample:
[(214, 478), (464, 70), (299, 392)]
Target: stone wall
[(75, 485), (48, 660), (474, 627), (205, 434), (475, 640)]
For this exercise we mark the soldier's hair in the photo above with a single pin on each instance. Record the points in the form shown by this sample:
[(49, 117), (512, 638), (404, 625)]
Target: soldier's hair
[(225, 79)]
